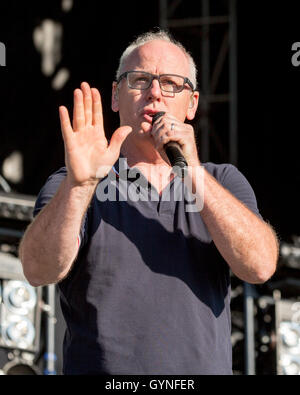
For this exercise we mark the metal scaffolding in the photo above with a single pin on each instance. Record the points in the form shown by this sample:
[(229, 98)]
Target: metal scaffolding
[(211, 32), (206, 29)]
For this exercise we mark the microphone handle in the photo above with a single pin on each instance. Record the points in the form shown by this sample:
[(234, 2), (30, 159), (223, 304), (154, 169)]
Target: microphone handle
[(175, 154), (173, 151)]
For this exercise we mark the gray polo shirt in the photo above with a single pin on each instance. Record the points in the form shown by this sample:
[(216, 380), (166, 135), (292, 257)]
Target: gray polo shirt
[(149, 293)]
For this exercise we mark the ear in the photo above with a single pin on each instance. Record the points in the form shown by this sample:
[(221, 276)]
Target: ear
[(115, 97), (193, 105)]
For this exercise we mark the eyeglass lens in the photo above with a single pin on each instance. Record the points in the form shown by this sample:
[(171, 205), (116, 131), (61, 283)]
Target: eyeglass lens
[(143, 80)]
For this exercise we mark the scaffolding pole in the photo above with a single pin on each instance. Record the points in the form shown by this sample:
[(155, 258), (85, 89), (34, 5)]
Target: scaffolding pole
[(208, 86), (209, 74), (233, 75), (205, 84)]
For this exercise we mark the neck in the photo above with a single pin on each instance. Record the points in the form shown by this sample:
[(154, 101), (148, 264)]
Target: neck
[(154, 166)]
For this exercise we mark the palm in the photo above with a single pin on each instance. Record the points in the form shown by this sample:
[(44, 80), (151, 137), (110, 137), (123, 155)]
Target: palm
[(88, 155)]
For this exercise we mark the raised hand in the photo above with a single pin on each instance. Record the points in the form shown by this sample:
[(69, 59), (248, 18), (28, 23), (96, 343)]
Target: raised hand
[(88, 156)]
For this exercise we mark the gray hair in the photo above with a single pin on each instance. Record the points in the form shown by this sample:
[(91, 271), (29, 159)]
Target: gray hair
[(157, 35)]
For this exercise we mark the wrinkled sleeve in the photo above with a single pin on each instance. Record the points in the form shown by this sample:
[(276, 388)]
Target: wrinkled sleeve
[(236, 183), (233, 180), (46, 194)]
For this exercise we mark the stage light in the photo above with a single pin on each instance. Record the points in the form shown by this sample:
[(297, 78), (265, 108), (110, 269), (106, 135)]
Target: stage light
[(19, 297), (18, 315), (19, 332), (27, 314), (16, 207), (288, 337), (290, 365), (290, 333)]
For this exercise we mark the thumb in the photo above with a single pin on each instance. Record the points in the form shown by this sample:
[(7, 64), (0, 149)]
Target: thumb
[(146, 127), (118, 138)]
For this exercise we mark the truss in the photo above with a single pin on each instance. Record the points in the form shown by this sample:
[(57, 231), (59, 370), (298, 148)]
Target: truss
[(212, 32)]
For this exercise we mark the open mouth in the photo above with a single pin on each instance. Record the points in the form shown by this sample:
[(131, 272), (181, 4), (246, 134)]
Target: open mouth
[(148, 115)]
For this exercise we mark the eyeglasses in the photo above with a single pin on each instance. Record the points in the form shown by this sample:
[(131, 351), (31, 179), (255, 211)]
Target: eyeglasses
[(142, 80)]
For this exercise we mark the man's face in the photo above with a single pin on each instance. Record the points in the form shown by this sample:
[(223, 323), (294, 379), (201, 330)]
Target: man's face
[(136, 106)]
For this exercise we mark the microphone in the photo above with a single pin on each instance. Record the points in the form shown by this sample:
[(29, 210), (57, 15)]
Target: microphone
[(173, 151)]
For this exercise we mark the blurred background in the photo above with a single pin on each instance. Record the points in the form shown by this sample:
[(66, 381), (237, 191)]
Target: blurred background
[(248, 116)]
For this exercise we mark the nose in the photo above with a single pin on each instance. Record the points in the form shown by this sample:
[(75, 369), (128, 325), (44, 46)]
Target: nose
[(154, 91)]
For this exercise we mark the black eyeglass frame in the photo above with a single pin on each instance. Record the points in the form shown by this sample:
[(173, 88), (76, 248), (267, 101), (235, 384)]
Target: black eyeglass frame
[(155, 76)]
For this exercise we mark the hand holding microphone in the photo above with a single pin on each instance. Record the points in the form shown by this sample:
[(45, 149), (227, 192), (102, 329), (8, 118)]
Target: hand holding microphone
[(173, 151)]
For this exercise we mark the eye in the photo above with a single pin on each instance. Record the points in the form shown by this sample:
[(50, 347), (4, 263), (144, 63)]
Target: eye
[(141, 78), (172, 82), (168, 81), (138, 78)]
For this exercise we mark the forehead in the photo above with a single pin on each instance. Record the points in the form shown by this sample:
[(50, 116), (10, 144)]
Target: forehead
[(158, 57)]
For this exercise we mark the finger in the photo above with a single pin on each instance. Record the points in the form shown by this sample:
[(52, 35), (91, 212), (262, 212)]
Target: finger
[(65, 124), (153, 132), (157, 129), (164, 134), (78, 111), (160, 140), (97, 109), (146, 127), (87, 102), (158, 123)]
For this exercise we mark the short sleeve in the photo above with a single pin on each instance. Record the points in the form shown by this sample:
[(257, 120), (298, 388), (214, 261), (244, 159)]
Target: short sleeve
[(233, 180), (46, 194), (49, 190)]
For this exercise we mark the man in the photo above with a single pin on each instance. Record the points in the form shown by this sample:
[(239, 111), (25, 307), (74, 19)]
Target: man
[(145, 282)]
